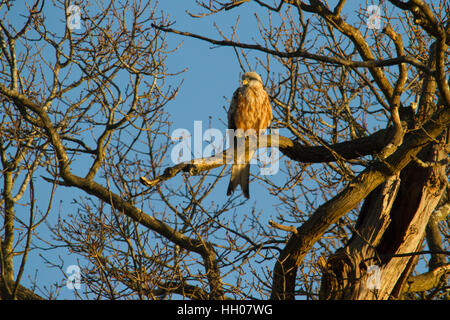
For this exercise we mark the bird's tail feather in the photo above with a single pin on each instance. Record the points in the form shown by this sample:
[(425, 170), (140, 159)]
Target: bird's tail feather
[(240, 174), (240, 170)]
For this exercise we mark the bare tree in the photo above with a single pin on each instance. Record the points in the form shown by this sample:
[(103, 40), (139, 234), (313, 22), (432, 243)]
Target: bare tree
[(22, 151), (363, 115), (336, 82)]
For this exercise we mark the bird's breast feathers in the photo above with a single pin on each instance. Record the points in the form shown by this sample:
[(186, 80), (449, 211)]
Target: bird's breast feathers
[(250, 109)]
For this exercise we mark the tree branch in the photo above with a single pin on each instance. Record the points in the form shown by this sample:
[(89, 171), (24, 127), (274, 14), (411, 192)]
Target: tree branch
[(22, 293), (307, 154), (301, 53), (426, 281), (327, 214), (204, 249), (291, 229)]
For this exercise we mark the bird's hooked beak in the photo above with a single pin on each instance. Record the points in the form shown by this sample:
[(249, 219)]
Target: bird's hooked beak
[(245, 82)]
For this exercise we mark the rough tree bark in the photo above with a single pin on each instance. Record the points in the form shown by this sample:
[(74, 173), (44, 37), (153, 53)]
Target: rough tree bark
[(399, 195), (327, 214), (391, 223)]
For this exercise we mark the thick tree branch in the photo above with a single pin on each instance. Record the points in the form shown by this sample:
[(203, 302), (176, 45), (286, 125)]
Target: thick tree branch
[(307, 154), (433, 236), (423, 16), (21, 293), (426, 281), (327, 214)]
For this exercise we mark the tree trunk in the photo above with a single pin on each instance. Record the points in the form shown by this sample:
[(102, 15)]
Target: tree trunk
[(378, 259)]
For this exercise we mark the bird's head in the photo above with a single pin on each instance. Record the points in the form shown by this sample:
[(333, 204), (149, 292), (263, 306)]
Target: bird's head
[(251, 79)]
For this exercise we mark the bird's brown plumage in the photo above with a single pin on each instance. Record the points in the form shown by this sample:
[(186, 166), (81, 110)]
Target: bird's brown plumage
[(249, 110)]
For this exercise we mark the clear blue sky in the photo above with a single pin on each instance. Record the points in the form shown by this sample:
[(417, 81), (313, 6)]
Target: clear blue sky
[(211, 77)]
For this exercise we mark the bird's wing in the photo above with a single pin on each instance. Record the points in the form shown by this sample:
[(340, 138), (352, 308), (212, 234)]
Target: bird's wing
[(232, 110)]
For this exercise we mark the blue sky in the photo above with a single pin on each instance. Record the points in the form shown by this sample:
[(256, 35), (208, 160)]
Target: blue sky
[(212, 74)]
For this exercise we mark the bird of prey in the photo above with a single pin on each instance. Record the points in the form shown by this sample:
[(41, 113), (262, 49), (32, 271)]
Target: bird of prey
[(249, 110)]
